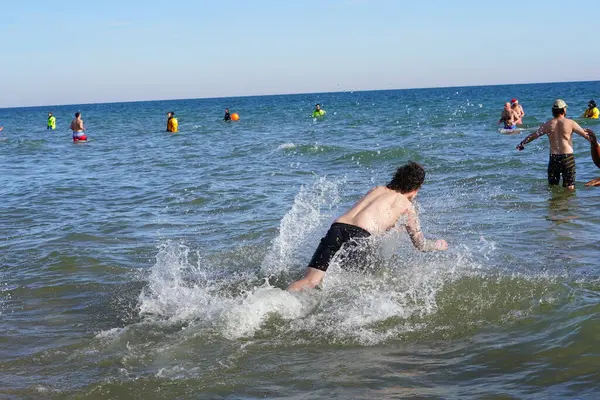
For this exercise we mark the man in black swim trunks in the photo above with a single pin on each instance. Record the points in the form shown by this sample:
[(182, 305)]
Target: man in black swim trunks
[(376, 213), (560, 131)]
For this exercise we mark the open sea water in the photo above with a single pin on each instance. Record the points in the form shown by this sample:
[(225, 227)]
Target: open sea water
[(149, 265)]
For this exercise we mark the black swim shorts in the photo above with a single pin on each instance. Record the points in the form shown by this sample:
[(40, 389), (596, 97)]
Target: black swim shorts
[(348, 236), (561, 164)]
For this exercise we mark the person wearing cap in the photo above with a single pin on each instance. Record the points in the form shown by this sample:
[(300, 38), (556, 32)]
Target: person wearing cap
[(560, 131), (592, 111), (172, 124), (508, 117), (518, 110)]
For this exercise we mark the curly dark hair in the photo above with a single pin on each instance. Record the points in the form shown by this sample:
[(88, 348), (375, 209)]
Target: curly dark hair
[(407, 178)]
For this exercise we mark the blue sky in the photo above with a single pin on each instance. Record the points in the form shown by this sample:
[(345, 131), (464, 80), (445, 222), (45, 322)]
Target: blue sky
[(66, 52)]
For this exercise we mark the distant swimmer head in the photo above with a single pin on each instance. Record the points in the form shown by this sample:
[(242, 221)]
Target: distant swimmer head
[(171, 114), (559, 107), (77, 114), (227, 110), (507, 106), (408, 178), (50, 114), (317, 106), (514, 101), (592, 104)]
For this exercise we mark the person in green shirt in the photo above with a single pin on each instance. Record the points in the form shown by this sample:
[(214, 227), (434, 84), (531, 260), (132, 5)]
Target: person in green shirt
[(319, 112), (51, 121)]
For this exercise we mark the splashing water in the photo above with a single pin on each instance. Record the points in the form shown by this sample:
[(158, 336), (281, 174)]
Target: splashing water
[(366, 308)]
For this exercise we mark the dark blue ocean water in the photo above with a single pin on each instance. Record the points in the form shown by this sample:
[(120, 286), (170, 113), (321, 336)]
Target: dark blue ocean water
[(146, 265)]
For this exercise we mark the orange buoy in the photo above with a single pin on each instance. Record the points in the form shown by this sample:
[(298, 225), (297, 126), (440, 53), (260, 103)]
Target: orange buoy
[(235, 117)]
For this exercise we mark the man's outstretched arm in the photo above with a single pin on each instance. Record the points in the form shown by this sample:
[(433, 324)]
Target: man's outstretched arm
[(413, 228), (531, 138)]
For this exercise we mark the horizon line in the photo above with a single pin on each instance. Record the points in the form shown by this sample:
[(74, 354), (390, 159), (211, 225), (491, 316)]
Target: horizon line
[(291, 94)]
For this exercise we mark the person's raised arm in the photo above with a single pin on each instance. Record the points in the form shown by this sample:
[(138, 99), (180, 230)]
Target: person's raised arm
[(413, 228), (531, 138)]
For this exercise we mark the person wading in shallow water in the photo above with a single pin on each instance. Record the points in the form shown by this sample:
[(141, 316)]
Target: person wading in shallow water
[(560, 131), (78, 128), (376, 213)]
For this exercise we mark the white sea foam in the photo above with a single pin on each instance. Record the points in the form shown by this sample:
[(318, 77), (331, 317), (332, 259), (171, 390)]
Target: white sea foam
[(286, 146)]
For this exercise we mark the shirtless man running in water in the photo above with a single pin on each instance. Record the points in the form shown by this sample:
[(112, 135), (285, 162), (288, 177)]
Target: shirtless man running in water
[(77, 128), (374, 214), (560, 131)]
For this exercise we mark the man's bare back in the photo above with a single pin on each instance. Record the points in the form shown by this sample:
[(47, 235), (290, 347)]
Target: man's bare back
[(77, 125), (378, 211), (560, 133)]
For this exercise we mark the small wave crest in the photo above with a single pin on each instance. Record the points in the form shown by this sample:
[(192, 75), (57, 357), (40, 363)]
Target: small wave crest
[(286, 146)]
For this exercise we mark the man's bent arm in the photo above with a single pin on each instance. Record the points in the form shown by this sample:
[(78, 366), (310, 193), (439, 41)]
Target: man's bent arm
[(413, 228)]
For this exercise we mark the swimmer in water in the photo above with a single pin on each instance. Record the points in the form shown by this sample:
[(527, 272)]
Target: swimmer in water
[(227, 116), (560, 131), (508, 117), (319, 112), (51, 121), (172, 123), (373, 215), (517, 110), (78, 128), (592, 111)]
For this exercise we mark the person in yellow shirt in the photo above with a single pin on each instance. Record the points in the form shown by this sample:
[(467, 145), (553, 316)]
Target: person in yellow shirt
[(319, 112), (592, 111), (172, 124), (51, 121)]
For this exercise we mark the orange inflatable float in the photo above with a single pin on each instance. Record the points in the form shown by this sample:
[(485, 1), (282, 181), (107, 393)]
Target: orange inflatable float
[(235, 117)]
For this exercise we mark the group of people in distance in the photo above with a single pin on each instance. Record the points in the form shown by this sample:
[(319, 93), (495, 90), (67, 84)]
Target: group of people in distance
[(512, 114), (172, 123)]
